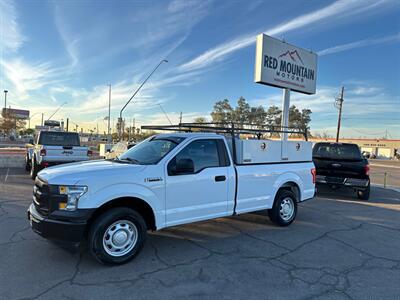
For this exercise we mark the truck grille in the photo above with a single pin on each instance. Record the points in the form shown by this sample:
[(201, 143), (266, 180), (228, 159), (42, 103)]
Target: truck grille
[(41, 196)]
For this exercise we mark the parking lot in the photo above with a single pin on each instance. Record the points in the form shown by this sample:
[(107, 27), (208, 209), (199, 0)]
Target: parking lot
[(338, 248)]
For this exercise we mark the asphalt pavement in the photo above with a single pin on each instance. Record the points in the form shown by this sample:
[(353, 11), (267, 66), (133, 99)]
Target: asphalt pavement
[(391, 168), (338, 248)]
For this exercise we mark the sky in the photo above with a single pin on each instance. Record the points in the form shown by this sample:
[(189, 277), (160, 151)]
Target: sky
[(65, 53)]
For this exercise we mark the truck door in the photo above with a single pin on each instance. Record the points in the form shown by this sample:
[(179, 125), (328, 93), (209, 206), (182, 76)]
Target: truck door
[(197, 182)]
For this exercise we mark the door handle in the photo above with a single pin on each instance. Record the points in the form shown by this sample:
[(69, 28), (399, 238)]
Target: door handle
[(220, 178)]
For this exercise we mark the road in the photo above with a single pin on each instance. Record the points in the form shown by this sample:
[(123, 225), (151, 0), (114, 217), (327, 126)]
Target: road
[(338, 248), (390, 167)]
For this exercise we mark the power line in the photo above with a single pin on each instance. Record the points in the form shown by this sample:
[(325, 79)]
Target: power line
[(360, 131)]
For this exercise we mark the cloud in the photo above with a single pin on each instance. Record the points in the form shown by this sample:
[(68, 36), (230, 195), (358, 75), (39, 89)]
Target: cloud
[(335, 10), (10, 35), (360, 44), (27, 77), (373, 99)]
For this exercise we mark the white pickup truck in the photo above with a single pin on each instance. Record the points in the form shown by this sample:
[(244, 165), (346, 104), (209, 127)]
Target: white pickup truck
[(167, 180), (53, 148)]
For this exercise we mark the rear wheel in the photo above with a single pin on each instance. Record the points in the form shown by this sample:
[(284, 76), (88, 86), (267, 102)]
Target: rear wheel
[(34, 169), (284, 210), (364, 194), (117, 236), (27, 163)]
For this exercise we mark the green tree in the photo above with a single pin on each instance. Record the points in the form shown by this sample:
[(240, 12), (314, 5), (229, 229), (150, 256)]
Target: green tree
[(257, 116), (222, 112), (10, 123), (273, 116), (241, 113), (200, 120)]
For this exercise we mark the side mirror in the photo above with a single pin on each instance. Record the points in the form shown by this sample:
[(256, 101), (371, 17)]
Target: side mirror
[(184, 166)]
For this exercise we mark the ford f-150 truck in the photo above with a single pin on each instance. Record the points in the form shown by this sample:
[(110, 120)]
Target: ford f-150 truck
[(54, 148), (168, 180), (342, 165)]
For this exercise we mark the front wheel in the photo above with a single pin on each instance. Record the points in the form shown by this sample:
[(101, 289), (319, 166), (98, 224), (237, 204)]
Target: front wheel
[(364, 194), (117, 236), (284, 210)]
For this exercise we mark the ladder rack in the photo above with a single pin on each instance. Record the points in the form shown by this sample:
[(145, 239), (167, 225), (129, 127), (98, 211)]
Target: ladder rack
[(233, 129)]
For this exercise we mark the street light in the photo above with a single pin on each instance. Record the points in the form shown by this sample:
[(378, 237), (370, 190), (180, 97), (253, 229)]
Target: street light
[(5, 101), (134, 94), (57, 110), (29, 120)]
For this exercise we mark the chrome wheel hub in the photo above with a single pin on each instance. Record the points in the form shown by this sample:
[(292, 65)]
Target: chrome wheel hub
[(286, 209), (120, 238)]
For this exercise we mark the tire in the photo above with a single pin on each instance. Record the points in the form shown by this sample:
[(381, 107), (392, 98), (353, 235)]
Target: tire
[(122, 223), (27, 164), (34, 169), (364, 194), (277, 212)]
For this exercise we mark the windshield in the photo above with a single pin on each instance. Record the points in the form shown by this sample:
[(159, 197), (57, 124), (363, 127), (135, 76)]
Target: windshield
[(49, 138), (337, 151), (151, 151)]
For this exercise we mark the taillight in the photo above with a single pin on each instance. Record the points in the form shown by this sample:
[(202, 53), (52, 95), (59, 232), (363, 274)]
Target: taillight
[(366, 169), (314, 175), (43, 152), (89, 152)]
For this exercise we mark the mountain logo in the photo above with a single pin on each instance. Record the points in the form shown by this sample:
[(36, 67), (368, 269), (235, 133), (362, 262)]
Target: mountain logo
[(294, 55)]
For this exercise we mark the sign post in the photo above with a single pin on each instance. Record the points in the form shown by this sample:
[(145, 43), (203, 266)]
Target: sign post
[(280, 64), (285, 112)]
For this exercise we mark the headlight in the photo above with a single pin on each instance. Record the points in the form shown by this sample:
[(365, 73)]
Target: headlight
[(73, 193)]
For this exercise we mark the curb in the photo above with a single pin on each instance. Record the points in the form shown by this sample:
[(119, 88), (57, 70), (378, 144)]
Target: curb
[(388, 187)]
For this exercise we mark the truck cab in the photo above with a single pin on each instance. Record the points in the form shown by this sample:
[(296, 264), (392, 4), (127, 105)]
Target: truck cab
[(166, 180)]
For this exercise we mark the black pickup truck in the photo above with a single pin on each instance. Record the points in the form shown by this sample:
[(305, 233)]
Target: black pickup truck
[(342, 165)]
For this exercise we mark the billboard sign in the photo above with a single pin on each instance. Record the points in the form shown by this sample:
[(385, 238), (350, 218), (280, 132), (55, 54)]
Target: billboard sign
[(18, 113), (280, 64)]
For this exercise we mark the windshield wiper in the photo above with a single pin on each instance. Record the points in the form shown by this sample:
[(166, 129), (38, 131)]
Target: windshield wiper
[(132, 160)]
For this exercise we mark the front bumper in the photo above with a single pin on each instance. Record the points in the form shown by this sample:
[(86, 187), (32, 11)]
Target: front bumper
[(53, 229), (338, 181)]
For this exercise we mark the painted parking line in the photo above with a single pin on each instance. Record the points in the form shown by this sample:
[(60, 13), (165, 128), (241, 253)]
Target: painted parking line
[(5, 179), (385, 166)]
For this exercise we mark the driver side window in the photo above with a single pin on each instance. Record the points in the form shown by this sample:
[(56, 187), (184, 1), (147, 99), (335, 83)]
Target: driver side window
[(203, 153)]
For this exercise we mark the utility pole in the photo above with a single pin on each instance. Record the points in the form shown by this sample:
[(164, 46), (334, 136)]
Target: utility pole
[(109, 114), (339, 105), (180, 118), (42, 119)]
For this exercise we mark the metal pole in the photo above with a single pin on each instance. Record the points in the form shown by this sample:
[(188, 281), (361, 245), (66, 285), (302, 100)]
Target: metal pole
[(285, 113), (56, 110), (137, 90), (5, 101), (340, 100), (385, 180), (109, 114), (165, 114)]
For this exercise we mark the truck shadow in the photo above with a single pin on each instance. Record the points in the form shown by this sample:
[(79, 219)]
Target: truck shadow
[(378, 195)]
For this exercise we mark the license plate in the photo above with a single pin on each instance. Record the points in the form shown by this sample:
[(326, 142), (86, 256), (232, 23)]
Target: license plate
[(334, 180)]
